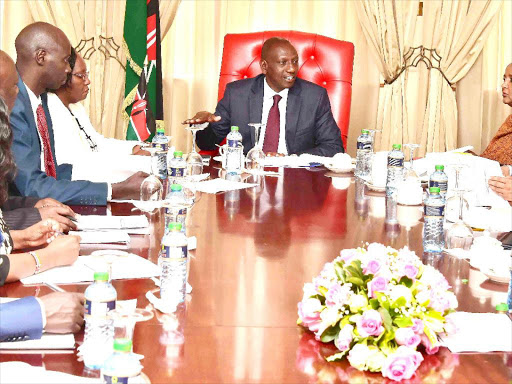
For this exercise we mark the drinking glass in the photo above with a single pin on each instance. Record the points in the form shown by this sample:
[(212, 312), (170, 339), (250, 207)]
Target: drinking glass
[(255, 157), (453, 203), (151, 188), (410, 173), (373, 132), (460, 235), (194, 159)]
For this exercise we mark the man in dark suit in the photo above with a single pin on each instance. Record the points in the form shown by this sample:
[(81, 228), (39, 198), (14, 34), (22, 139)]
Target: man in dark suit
[(297, 113), (43, 52)]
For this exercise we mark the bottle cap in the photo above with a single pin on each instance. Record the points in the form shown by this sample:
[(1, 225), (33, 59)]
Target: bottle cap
[(234, 128), (364, 131), (502, 307), (122, 345), (397, 146), (439, 167), (100, 276), (178, 153), (160, 130), (434, 190), (176, 187), (175, 227)]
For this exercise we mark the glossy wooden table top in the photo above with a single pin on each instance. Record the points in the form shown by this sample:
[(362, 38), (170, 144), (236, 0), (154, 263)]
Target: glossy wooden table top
[(254, 254)]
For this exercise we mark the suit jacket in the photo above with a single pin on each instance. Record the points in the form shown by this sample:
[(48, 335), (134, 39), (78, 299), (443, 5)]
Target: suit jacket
[(19, 212), (310, 125), (4, 270), (30, 179), (21, 320)]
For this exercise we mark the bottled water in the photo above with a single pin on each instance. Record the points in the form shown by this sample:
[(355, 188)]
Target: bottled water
[(177, 168), (176, 208), (234, 151), (173, 261), (395, 169), (433, 236), (364, 153), (100, 298), (122, 367), (161, 142), (439, 179)]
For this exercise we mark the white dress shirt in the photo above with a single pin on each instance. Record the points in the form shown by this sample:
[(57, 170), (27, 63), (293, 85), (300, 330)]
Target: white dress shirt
[(268, 101), (34, 103)]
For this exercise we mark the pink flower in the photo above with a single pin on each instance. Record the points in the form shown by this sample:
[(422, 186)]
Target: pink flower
[(370, 323), (407, 337), (371, 267), (450, 326), (428, 345), (410, 271), (309, 312), (337, 295), (377, 284), (418, 326), (344, 338), (402, 364), (347, 255)]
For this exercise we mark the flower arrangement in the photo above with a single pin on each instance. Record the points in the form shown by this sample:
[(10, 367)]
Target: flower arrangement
[(378, 305)]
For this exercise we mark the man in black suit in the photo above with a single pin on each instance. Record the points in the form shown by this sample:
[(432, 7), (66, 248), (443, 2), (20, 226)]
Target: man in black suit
[(297, 113)]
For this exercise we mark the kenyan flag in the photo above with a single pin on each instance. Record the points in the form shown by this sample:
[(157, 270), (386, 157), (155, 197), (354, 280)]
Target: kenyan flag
[(143, 104)]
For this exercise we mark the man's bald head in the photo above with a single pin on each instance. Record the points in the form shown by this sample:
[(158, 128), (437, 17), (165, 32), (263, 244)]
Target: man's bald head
[(270, 44), (43, 51), (8, 80)]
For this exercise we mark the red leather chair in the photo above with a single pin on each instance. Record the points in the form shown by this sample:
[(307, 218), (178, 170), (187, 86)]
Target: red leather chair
[(322, 60)]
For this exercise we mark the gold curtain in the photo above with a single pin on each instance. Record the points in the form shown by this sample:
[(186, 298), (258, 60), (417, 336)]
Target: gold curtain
[(98, 26)]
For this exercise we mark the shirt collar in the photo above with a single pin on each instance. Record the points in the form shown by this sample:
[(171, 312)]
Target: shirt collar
[(34, 100), (269, 92)]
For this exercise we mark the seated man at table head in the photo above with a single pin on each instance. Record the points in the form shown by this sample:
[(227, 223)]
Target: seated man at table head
[(42, 62), (297, 112), (22, 212)]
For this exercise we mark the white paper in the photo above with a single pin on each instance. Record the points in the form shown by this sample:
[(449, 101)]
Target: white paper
[(100, 168), (123, 267), (480, 332), (47, 341), (17, 372), (96, 222), (221, 185), (102, 237), (292, 161)]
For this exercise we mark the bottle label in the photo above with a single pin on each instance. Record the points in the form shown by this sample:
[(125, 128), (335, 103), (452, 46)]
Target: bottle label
[(174, 252), (161, 146), (99, 308), (177, 172), (232, 143), (443, 185), (395, 162), (115, 379), (363, 145), (434, 210)]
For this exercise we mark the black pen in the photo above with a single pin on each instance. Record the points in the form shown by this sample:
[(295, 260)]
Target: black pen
[(73, 219)]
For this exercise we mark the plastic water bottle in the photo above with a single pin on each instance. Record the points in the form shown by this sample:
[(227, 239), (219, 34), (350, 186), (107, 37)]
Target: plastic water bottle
[(433, 236), (176, 208), (177, 168), (439, 179), (161, 142), (509, 295), (234, 151), (122, 367), (173, 265), (364, 153), (395, 169), (100, 298)]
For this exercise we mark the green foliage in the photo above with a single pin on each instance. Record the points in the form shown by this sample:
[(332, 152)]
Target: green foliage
[(403, 322), (383, 300), (400, 302), (337, 356), (356, 281), (374, 303), (386, 318), (406, 281), (330, 333)]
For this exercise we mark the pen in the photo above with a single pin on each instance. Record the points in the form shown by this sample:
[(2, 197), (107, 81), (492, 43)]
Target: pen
[(73, 219), (54, 287)]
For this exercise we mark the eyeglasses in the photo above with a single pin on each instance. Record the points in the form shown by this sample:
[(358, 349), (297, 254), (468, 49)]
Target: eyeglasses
[(83, 76)]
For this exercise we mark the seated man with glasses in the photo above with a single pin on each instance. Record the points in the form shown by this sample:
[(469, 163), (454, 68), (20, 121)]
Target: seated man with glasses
[(75, 136)]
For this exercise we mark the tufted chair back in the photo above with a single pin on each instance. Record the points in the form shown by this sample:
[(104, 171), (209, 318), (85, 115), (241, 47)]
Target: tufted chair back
[(322, 60)]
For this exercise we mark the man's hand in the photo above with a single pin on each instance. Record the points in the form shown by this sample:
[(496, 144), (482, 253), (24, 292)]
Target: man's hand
[(505, 170), (139, 151), (64, 312), (130, 188), (502, 186), (202, 117), (48, 202), (60, 214)]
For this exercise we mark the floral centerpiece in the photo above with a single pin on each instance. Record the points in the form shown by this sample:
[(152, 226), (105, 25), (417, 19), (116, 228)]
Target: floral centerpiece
[(379, 305)]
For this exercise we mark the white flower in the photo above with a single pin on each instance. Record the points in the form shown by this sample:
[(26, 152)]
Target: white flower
[(357, 302), (358, 356), (329, 316), (375, 359), (397, 291)]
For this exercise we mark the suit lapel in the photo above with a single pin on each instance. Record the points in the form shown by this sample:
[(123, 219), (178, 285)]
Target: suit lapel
[(255, 105), (28, 107), (292, 114)]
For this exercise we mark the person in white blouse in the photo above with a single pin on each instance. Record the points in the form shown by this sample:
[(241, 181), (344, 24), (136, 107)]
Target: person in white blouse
[(75, 136)]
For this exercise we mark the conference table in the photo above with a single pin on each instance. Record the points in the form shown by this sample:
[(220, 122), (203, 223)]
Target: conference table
[(255, 250)]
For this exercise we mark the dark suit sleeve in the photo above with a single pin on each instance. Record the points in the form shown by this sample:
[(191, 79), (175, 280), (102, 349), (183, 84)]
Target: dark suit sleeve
[(21, 320), (4, 269), (22, 218), (15, 202), (327, 134), (31, 181), (216, 132)]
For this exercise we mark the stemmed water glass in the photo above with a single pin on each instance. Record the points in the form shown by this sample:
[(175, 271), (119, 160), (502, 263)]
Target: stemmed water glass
[(151, 188), (194, 159), (454, 203), (255, 157), (460, 235), (373, 132), (410, 173)]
